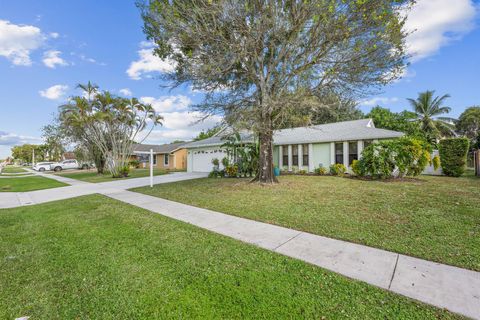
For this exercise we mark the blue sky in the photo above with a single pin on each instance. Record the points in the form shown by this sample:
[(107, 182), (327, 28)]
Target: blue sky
[(48, 47)]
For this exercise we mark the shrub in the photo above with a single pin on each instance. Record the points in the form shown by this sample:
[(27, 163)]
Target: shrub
[(134, 164), (215, 161), (436, 162), (231, 171), (302, 172), (453, 155), (123, 172), (356, 168), (215, 174), (393, 158), (225, 162), (321, 171), (338, 169)]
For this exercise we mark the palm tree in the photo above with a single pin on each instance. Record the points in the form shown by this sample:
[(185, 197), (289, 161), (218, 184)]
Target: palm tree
[(428, 109)]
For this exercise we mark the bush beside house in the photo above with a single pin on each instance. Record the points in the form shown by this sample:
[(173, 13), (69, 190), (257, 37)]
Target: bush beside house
[(393, 158), (453, 156)]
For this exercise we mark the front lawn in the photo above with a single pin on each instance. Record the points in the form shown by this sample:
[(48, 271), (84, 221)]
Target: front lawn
[(435, 218), (12, 169), (102, 259), (92, 176), (30, 183)]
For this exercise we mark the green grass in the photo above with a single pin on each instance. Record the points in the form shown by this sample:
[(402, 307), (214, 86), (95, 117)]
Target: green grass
[(102, 259), (28, 184), (435, 218), (92, 176), (10, 169)]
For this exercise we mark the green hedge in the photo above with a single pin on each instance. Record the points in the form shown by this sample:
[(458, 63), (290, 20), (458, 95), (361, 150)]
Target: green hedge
[(393, 158), (453, 156)]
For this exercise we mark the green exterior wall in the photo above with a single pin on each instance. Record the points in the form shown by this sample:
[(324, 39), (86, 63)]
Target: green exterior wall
[(275, 156), (321, 154)]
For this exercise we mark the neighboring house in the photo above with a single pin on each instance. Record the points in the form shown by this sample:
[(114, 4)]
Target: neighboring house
[(171, 156), (304, 148)]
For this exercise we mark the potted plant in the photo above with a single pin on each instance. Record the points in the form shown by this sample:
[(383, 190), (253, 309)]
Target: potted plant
[(276, 171), (216, 164)]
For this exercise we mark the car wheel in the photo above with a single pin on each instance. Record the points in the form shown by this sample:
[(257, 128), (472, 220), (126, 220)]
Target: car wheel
[(41, 169), (57, 169)]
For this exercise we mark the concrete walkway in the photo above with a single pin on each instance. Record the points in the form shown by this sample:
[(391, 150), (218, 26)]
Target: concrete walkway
[(448, 287), (455, 289), (80, 188)]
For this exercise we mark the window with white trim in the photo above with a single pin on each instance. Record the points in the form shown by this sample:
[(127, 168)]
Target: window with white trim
[(339, 152), (165, 159)]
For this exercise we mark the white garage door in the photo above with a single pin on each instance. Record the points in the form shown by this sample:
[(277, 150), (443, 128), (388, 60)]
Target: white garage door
[(202, 160)]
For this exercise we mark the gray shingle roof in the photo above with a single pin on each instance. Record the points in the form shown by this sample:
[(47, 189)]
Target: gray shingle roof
[(218, 140), (163, 148), (363, 129)]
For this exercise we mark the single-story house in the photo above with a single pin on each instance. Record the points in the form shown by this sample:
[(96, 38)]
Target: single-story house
[(171, 156), (303, 148)]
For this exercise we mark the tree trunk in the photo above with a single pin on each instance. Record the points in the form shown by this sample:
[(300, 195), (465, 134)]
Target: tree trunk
[(99, 160), (265, 163)]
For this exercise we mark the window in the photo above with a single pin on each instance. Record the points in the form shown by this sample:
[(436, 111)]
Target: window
[(352, 152), (305, 154), (165, 159), (366, 143), (339, 152), (154, 159), (285, 155), (295, 155)]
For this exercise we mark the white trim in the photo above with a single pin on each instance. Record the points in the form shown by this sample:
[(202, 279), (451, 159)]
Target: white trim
[(345, 154), (300, 156), (311, 167), (359, 149), (290, 158), (280, 157), (332, 153), (166, 164)]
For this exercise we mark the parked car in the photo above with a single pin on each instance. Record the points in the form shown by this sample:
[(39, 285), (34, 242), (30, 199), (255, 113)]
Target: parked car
[(42, 166), (64, 165), (70, 164)]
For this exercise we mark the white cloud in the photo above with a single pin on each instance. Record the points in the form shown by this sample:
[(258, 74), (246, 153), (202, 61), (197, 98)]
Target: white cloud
[(437, 23), (181, 126), (12, 139), (126, 92), (377, 101), (168, 103), (148, 63), (18, 41), (54, 35), (188, 120), (54, 92), (51, 59)]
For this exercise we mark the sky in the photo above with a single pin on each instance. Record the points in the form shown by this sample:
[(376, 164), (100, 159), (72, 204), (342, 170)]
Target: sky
[(47, 47)]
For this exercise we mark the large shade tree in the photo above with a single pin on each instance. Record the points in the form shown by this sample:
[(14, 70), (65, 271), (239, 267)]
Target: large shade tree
[(257, 60), (110, 123), (429, 109)]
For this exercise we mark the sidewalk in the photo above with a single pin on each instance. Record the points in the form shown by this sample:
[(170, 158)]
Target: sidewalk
[(444, 286), (80, 188)]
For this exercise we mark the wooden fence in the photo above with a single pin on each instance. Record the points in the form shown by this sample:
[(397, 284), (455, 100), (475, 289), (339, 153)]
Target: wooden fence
[(476, 162)]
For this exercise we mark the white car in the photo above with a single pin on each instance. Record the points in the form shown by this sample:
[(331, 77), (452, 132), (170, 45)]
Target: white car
[(64, 165), (42, 166)]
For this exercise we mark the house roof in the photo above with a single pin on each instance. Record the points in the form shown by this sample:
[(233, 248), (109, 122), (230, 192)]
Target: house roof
[(219, 139), (162, 148), (363, 129)]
